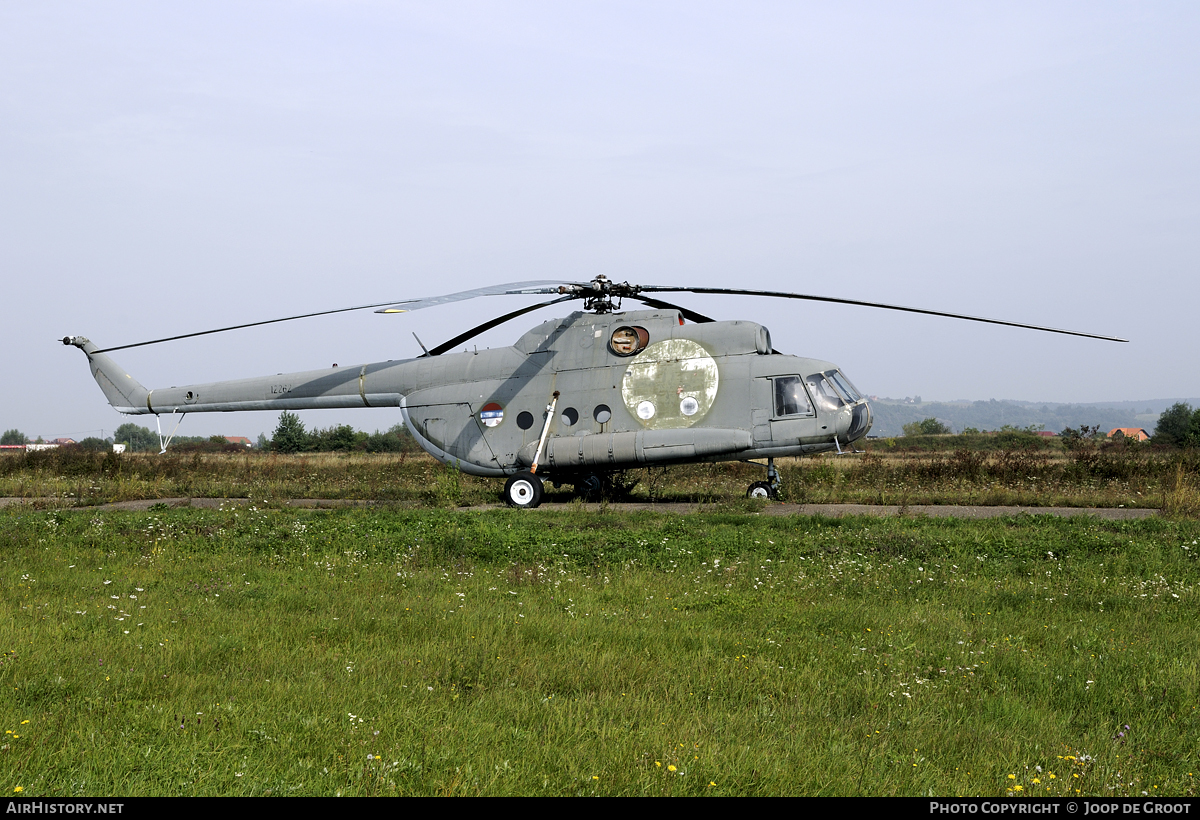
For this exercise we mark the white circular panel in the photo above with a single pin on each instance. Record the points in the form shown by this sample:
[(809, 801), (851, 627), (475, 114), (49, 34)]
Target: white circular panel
[(645, 410), (677, 378)]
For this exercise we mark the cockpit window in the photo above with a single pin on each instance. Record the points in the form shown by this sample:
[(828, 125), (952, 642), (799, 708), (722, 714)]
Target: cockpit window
[(844, 386), (791, 398), (824, 393)]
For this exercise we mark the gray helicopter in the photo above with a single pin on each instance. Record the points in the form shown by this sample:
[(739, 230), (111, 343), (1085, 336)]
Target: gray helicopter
[(574, 400)]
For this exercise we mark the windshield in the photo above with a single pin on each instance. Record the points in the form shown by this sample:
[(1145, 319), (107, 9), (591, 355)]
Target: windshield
[(843, 385), (824, 393)]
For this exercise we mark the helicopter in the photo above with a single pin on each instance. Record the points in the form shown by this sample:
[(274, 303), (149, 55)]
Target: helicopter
[(573, 400)]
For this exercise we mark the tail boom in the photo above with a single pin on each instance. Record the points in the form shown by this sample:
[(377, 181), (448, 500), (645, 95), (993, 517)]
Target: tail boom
[(315, 389)]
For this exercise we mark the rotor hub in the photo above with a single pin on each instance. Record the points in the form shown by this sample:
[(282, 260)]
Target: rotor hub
[(601, 295)]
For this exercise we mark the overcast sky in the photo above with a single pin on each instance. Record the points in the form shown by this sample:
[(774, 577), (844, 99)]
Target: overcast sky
[(171, 167)]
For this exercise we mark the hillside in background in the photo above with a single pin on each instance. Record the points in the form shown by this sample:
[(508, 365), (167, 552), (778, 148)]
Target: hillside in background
[(890, 415)]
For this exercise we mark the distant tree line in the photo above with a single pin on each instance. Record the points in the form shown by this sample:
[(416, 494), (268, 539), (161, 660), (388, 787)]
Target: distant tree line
[(139, 439), (291, 437), (136, 439), (934, 427), (890, 417), (1179, 425)]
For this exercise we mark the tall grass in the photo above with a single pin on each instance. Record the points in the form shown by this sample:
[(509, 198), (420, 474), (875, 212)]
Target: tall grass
[(1113, 477), (256, 650), (1100, 477), (1182, 499)]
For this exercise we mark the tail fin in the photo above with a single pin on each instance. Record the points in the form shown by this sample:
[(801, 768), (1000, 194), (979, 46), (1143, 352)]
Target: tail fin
[(123, 391)]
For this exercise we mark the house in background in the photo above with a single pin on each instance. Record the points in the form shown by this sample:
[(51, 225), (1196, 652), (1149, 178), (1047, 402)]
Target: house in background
[(1135, 433), (240, 440)]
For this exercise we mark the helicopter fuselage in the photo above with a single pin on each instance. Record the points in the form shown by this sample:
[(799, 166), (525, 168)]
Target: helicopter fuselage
[(589, 393)]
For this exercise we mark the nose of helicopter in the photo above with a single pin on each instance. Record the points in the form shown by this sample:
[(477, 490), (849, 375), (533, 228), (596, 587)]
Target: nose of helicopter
[(853, 422), (857, 422)]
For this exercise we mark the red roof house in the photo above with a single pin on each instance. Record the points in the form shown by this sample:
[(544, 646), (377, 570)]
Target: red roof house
[(1136, 433)]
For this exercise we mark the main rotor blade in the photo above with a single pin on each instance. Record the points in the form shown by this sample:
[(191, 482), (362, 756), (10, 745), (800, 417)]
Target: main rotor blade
[(512, 288), (806, 297), (541, 286), (499, 320), (239, 327), (690, 315)]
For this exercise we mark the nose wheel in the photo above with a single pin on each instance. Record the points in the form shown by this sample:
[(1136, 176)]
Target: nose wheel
[(763, 490), (767, 490), (523, 490)]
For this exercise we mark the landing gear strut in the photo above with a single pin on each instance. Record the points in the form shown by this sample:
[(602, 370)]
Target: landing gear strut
[(769, 489)]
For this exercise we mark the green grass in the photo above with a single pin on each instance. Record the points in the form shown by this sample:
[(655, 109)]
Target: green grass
[(257, 651), (1108, 477)]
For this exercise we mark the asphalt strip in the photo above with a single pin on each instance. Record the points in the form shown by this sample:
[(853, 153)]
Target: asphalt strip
[(829, 510)]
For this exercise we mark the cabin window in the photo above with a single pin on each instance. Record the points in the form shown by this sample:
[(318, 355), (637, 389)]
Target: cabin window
[(791, 398), (570, 416), (525, 419), (602, 413)]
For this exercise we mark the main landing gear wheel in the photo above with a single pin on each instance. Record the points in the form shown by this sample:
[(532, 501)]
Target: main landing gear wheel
[(763, 490), (590, 488), (523, 490)]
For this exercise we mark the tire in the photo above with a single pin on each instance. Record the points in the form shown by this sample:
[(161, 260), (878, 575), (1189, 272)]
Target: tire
[(523, 490), (590, 488), (761, 489)]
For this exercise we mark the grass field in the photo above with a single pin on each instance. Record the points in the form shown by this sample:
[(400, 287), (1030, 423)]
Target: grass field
[(1109, 477), (258, 650)]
